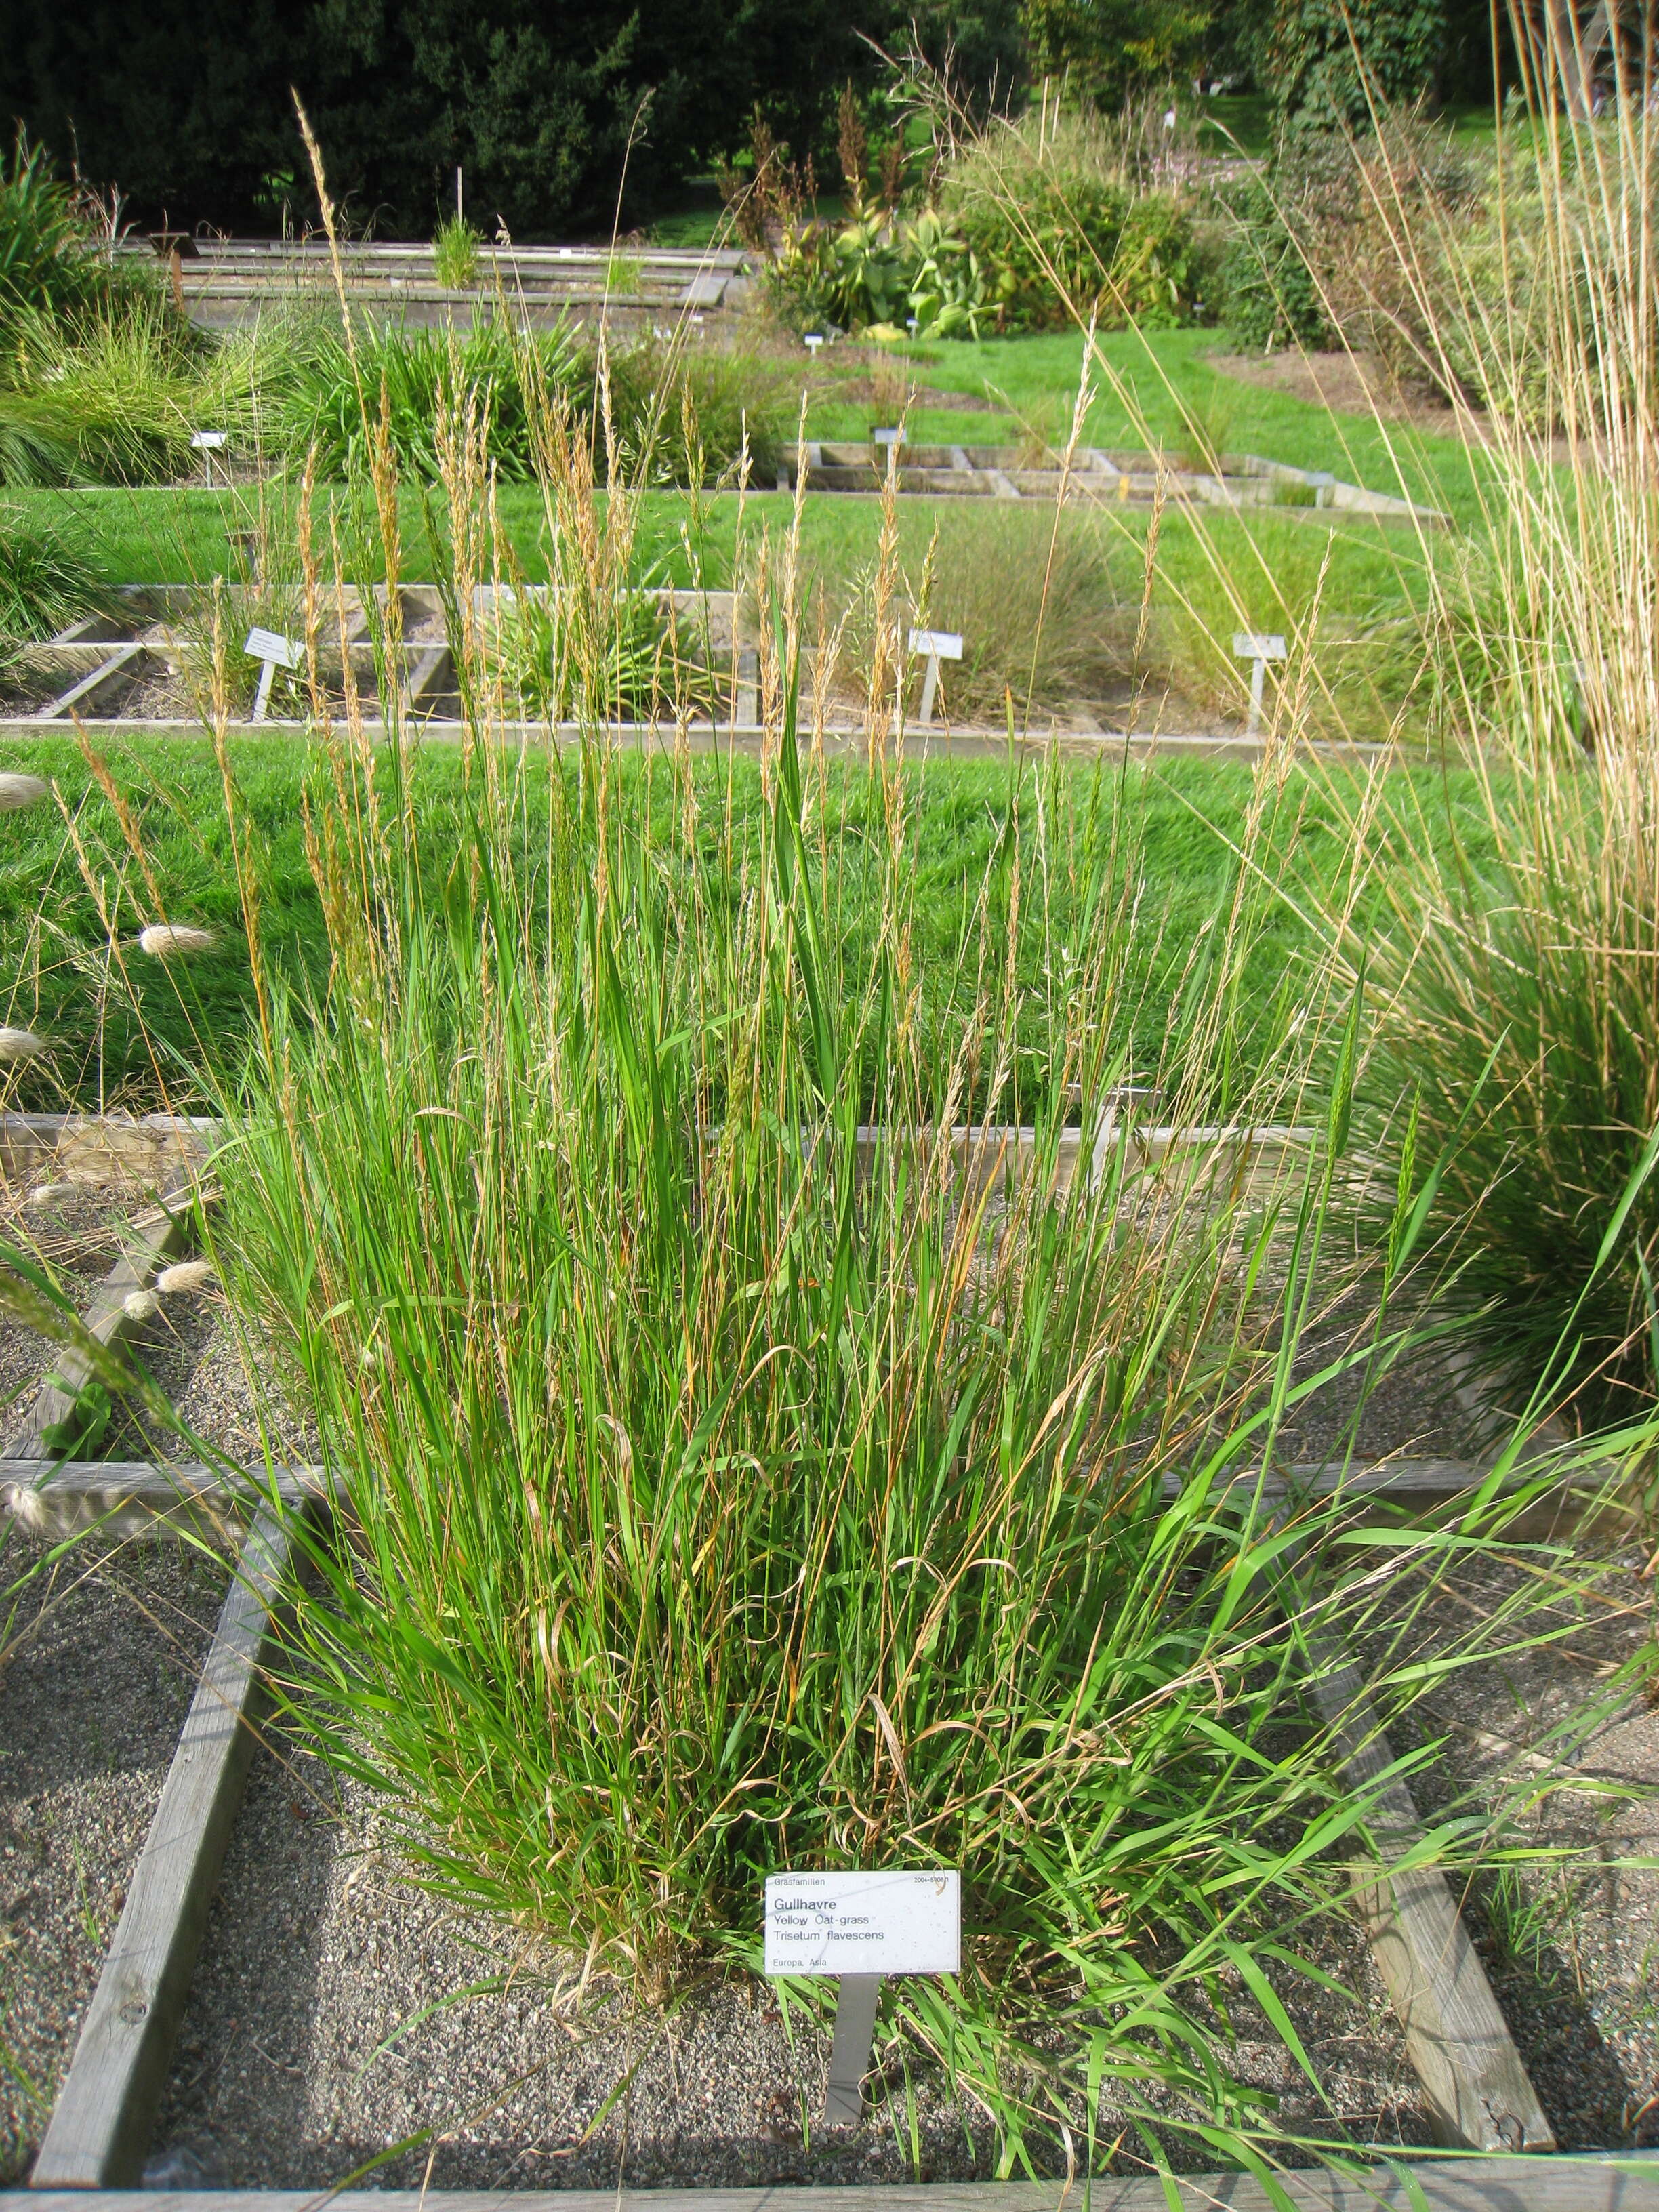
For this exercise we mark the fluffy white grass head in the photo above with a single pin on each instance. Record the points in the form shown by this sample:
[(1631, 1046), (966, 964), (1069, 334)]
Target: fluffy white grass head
[(141, 1306), (185, 1275), (48, 1193), (166, 940), (19, 1044), (18, 791)]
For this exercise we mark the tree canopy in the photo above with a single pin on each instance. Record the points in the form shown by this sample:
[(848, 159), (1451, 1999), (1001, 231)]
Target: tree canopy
[(186, 103)]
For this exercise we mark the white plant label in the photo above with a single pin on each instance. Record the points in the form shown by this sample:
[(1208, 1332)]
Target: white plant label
[(210, 441), (937, 644), (889, 1923), (272, 651), (1258, 648), (272, 645)]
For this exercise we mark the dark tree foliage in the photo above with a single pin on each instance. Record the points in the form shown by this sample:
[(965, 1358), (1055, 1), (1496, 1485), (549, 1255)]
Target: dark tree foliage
[(1333, 60), (185, 104)]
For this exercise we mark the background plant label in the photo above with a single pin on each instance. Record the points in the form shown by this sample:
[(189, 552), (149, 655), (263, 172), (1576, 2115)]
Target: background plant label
[(888, 1923), (272, 645)]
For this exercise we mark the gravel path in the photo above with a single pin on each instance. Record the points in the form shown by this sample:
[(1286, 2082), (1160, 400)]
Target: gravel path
[(1572, 1946), (100, 1662), (328, 2025)]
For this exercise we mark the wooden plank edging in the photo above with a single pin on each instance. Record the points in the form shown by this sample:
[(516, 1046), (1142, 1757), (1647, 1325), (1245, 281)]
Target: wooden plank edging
[(157, 1235), (1596, 2183), (1458, 2039), (1456, 2036), (99, 2130), (126, 1495)]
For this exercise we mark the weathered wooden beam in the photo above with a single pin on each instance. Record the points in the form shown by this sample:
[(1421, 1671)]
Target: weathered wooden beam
[(101, 2127), (151, 1150), (122, 666), (1479, 2092), (124, 1495), (155, 1235), (127, 1498), (1456, 2036), (1597, 2184)]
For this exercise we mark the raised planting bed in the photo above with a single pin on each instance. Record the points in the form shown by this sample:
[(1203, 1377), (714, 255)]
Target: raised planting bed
[(338, 2016), (222, 281), (147, 667), (1092, 474)]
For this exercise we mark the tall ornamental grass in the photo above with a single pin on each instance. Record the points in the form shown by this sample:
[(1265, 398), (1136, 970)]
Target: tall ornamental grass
[(748, 1458), (1507, 940), (1518, 975)]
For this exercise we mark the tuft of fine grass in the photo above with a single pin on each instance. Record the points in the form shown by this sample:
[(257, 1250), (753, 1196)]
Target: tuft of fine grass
[(455, 254), (47, 580)]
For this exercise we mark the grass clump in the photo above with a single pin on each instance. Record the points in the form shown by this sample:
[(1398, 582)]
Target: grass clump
[(1518, 1022), (325, 392), (55, 261), (455, 254), (47, 580), (724, 1498), (116, 398), (1035, 599)]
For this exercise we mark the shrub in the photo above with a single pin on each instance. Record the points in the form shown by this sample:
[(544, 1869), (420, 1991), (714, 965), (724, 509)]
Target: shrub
[(1267, 295), (877, 272), (51, 263), (1060, 227)]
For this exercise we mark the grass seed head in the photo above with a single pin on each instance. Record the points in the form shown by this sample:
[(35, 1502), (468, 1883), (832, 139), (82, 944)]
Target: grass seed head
[(19, 1044), (162, 940), (20, 790), (186, 1275), (141, 1306)]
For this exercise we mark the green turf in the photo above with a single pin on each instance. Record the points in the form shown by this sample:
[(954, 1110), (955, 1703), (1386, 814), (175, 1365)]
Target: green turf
[(1159, 386), (122, 1033), (1347, 586)]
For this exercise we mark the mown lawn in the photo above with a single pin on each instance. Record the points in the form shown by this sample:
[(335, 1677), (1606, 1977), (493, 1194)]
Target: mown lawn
[(126, 1029), (1348, 590)]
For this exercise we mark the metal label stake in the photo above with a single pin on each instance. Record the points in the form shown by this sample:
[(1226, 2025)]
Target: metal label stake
[(1258, 648), (849, 2053), (937, 645), (882, 1921)]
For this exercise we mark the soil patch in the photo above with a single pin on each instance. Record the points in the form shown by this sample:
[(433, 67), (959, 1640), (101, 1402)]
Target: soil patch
[(1569, 1940)]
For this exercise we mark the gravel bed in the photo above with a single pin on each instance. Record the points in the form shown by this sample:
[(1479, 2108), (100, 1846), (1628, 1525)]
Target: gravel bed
[(1572, 1945), (338, 2012), (329, 2023), (99, 1664), (1411, 1410), (78, 1234)]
